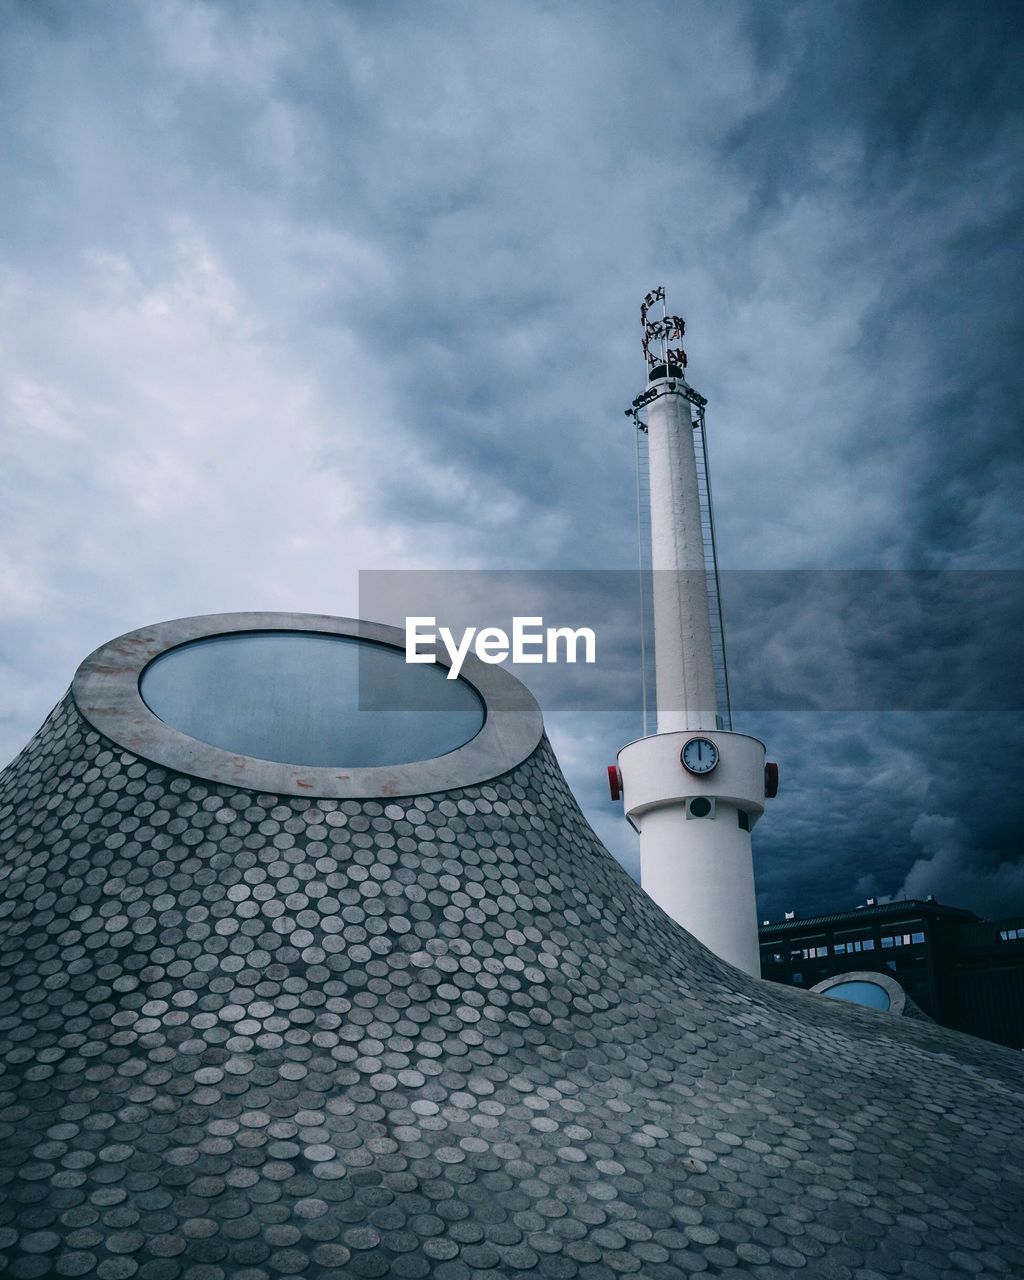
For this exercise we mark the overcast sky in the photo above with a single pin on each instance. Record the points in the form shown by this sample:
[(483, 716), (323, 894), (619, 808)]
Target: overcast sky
[(297, 288)]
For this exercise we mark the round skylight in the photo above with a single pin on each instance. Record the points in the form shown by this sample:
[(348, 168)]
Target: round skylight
[(307, 698), (305, 705), (869, 994)]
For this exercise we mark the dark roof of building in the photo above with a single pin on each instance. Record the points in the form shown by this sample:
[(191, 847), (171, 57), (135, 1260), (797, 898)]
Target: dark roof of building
[(861, 915)]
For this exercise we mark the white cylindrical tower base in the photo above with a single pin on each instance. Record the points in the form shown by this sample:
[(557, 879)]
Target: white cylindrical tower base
[(699, 869), (703, 878)]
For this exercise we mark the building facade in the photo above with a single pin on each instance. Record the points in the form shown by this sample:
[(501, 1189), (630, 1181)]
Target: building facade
[(964, 972)]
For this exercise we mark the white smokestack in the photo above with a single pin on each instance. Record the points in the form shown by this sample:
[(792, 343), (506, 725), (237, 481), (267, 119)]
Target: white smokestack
[(684, 670), (691, 790)]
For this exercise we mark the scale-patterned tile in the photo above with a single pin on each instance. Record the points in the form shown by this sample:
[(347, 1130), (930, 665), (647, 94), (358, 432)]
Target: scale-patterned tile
[(255, 1036)]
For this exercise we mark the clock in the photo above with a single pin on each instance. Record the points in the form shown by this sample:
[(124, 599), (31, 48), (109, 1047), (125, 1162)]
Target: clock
[(699, 755)]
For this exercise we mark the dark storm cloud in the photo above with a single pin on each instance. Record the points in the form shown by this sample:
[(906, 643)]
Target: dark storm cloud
[(883, 640), (892, 701), (823, 640), (294, 289), (892, 805), (912, 112)]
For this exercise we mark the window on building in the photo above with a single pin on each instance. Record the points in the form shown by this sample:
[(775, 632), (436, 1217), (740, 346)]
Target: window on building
[(917, 937), (869, 994), (1010, 935), (854, 945)]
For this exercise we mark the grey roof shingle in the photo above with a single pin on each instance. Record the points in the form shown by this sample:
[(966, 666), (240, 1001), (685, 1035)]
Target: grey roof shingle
[(251, 1035)]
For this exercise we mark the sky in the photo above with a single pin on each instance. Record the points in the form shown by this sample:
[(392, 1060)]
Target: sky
[(296, 289)]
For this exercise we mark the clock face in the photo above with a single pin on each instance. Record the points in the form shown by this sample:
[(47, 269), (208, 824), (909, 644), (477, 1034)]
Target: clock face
[(700, 755)]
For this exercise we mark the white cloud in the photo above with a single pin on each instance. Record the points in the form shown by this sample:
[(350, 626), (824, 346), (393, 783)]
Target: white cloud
[(954, 870), (294, 289)]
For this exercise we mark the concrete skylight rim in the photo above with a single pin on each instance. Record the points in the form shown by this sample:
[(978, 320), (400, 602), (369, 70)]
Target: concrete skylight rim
[(106, 691)]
